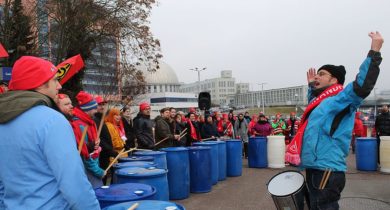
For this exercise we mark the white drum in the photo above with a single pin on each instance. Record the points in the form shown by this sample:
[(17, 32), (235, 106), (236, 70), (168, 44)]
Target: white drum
[(288, 190), (384, 154), (276, 150)]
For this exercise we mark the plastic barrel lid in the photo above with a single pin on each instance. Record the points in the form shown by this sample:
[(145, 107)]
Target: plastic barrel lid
[(204, 143), (134, 164), (174, 149), (136, 158), (124, 192), (149, 153), (233, 140), (285, 183), (147, 205), (199, 148), (140, 172), (218, 142)]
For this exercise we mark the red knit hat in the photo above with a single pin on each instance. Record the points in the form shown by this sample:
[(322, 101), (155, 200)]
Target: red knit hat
[(86, 101), (31, 72), (225, 116), (100, 100), (144, 106)]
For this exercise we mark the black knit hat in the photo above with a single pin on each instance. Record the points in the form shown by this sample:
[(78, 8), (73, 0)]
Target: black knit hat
[(335, 71)]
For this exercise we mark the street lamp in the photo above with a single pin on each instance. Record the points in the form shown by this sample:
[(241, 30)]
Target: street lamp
[(262, 93), (198, 70), (296, 103)]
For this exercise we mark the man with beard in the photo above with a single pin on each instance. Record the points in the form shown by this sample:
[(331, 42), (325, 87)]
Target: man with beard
[(65, 105), (321, 144), (143, 127)]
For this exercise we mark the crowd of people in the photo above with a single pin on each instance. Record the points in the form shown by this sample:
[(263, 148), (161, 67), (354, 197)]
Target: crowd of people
[(44, 136)]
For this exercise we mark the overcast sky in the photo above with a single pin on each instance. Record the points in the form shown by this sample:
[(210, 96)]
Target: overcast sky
[(269, 41)]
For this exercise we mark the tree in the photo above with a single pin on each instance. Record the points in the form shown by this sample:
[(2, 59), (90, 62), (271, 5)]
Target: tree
[(16, 31), (89, 27)]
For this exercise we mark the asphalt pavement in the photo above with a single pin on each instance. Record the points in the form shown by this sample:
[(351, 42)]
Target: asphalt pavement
[(363, 190)]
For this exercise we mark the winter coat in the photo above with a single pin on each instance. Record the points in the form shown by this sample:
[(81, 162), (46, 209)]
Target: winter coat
[(143, 131)]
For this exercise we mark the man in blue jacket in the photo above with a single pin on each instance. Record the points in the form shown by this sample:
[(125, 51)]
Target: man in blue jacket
[(40, 167), (328, 123)]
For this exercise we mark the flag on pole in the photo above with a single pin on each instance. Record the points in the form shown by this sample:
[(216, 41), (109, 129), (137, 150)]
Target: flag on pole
[(69, 67), (3, 52)]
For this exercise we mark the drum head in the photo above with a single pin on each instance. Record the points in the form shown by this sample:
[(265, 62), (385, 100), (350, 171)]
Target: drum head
[(286, 183)]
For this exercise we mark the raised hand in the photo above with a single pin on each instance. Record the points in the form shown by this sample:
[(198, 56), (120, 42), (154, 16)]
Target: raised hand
[(377, 41), (311, 73)]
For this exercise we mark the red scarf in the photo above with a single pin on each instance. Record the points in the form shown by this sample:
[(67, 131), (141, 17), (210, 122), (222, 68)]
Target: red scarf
[(194, 134), (84, 120), (293, 152)]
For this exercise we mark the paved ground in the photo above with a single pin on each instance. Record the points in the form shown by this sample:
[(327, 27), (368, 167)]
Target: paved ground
[(364, 190)]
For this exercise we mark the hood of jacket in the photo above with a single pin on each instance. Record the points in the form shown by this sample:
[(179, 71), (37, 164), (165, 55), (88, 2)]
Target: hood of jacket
[(15, 103)]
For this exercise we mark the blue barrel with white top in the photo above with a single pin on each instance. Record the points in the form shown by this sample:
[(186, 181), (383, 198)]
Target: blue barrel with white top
[(136, 158), (366, 154), (257, 152), (178, 172), (200, 169), (139, 164), (234, 157), (221, 159), (119, 193), (152, 176), (159, 157), (214, 159), (147, 205)]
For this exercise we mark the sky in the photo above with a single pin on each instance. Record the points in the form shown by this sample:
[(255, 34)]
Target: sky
[(273, 42)]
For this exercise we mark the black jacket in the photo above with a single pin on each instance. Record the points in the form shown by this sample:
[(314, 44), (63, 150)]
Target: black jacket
[(382, 124), (208, 130), (130, 133), (143, 131), (105, 143)]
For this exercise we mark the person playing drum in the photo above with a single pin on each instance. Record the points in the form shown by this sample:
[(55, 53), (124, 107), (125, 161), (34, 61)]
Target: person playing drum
[(326, 126)]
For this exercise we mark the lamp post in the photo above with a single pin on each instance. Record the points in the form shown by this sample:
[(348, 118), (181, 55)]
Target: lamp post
[(262, 94), (296, 103), (198, 70)]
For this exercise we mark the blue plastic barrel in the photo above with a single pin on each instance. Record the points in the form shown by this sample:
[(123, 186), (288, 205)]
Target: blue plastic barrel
[(152, 176), (234, 157), (159, 157), (139, 164), (119, 193), (147, 205), (221, 159), (136, 158), (214, 159), (257, 152), (366, 154), (178, 172), (200, 169)]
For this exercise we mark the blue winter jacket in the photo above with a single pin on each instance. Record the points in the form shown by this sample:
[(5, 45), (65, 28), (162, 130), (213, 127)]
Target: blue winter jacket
[(329, 130), (40, 167)]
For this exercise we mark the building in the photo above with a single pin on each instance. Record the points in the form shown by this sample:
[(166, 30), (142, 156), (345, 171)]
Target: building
[(290, 96), (219, 88), (162, 90)]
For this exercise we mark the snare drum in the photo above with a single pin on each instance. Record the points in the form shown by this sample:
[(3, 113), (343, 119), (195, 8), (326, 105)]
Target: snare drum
[(287, 190)]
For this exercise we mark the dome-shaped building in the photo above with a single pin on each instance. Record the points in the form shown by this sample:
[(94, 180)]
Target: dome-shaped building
[(161, 81)]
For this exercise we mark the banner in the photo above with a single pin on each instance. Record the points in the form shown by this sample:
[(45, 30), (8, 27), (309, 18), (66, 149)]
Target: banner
[(3, 52), (69, 67)]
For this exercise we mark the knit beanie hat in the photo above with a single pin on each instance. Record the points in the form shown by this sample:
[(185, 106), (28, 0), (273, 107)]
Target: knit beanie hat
[(144, 106), (30, 72), (335, 71), (86, 101)]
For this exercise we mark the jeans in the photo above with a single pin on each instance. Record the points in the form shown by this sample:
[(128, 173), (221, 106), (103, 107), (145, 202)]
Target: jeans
[(327, 198)]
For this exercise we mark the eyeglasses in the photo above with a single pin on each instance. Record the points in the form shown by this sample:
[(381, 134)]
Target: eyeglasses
[(321, 74)]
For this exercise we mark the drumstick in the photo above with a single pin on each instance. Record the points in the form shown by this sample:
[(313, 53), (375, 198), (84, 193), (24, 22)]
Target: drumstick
[(82, 138), (116, 158), (207, 139), (323, 178), (132, 149), (133, 207), (181, 133), (102, 121), (326, 179), (181, 136), (161, 141)]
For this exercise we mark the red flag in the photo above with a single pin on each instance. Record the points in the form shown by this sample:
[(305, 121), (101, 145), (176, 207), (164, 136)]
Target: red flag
[(69, 67), (3, 52)]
